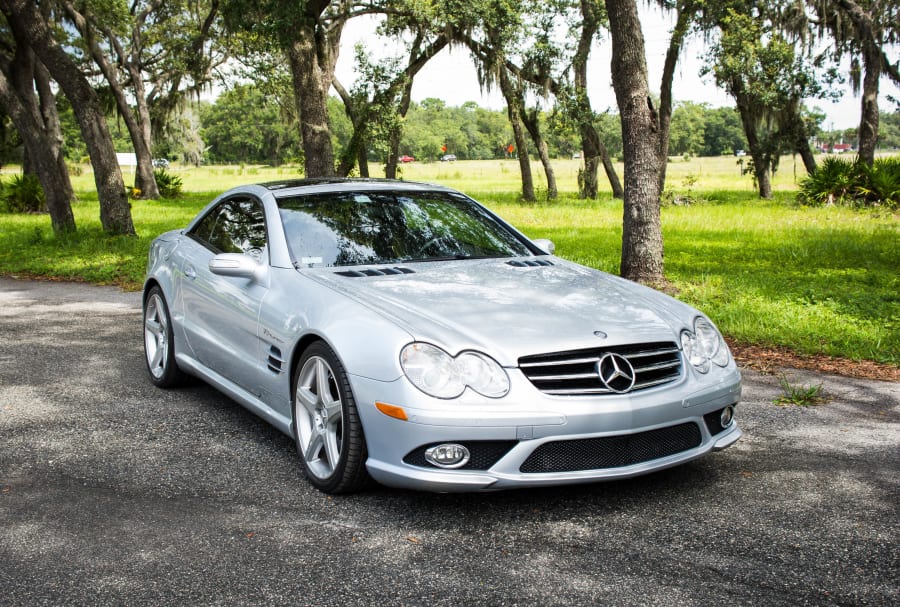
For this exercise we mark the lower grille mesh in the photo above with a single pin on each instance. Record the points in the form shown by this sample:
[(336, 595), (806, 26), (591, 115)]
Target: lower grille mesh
[(612, 451)]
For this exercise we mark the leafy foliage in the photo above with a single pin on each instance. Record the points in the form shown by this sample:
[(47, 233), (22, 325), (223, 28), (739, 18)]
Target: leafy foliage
[(838, 181), (245, 124), (700, 130), (169, 185), (22, 194)]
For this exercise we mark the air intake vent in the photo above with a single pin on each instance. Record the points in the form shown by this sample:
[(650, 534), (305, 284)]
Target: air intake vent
[(578, 373), (374, 272), (612, 451), (529, 263), (275, 361)]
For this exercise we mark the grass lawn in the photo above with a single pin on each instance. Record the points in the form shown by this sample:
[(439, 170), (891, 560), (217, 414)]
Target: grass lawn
[(771, 273)]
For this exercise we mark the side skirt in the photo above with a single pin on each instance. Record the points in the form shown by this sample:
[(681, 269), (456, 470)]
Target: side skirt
[(235, 392)]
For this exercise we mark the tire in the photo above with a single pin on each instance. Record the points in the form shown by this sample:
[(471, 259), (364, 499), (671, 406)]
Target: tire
[(159, 346), (327, 429)]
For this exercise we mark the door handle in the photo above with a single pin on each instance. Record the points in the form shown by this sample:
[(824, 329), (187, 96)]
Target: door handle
[(189, 272)]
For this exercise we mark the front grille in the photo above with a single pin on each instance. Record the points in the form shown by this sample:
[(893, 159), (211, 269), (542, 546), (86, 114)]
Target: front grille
[(575, 373), (612, 451), (482, 454)]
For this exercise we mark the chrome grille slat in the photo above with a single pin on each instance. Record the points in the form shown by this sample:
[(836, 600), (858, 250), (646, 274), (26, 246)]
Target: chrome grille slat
[(650, 384), (593, 359), (653, 353), (579, 392), (657, 367), (575, 373), (559, 377)]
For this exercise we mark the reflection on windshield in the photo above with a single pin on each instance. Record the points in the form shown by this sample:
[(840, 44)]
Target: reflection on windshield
[(355, 228)]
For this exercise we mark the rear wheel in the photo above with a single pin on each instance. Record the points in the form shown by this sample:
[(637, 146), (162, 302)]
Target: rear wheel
[(159, 346), (327, 428)]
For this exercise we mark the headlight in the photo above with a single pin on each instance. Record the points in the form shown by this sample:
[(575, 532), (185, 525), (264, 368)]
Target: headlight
[(438, 374), (704, 345)]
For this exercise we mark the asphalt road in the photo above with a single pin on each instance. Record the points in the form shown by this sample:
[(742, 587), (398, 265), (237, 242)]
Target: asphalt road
[(113, 492)]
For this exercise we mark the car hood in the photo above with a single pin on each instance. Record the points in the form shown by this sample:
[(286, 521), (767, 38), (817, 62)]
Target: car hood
[(510, 310)]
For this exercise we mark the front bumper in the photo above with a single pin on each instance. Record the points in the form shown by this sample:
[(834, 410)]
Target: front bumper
[(526, 420)]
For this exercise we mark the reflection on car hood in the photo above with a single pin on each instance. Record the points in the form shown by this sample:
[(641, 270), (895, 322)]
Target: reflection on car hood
[(510, 311)]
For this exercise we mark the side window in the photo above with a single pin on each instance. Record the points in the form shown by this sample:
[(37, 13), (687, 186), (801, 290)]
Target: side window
[(237, 225)]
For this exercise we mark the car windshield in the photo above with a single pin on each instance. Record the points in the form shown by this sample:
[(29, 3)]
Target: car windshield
[(357, 228)]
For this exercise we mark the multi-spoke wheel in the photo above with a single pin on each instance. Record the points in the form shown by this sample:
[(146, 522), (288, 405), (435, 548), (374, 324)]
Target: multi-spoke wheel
[(327, 429), (159, 347)]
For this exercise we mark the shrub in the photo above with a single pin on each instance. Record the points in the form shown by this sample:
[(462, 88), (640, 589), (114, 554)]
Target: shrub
[(23, 194), (837, 181), (881, 183), (169, 185)]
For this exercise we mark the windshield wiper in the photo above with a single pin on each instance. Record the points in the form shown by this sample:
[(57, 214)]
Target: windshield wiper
[(456, 257)]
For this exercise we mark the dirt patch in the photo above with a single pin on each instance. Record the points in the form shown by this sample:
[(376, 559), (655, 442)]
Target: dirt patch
[(768, 360)]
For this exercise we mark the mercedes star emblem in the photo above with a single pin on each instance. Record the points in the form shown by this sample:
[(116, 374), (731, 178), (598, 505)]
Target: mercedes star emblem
[(616, 372)]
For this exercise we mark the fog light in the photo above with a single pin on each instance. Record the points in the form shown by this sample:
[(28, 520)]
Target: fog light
[(449, 455), (727, 417)]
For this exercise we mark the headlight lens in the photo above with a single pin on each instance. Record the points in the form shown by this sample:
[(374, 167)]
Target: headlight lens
[(438, 374), (704, 345)]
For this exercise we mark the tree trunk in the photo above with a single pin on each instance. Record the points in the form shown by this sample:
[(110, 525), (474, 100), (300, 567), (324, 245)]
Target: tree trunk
[(868, 122), (390, 169), (806, 154), (873, 55), (36, 144), (757, 153), (642, 242), (144, 179), (311, 95), (530, 119), (362, 159), (592, 149), (115, 211), (595, 154), (801, 145), (682, 23), (27, 76), (617, 190), (514, 111), (53, 129)]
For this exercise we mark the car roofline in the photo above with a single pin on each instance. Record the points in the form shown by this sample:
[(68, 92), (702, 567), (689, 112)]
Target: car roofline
[(297, 186)]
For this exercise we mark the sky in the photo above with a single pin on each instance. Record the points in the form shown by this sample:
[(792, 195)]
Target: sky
[(451, 76)]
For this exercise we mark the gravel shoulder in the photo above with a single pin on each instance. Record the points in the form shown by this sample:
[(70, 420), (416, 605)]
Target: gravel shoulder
[(113, 492)]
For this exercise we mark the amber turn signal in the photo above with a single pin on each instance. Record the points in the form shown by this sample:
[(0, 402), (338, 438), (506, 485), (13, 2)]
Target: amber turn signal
[(392, 411)]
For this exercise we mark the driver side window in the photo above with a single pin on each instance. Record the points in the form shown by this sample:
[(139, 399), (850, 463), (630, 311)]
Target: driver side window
[(236, 225)]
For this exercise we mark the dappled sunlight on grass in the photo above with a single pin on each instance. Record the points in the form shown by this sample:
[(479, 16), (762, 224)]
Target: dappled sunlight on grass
[(819, 280)]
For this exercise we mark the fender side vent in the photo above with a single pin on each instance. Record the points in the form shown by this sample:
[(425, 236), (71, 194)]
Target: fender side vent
[(275, 361)]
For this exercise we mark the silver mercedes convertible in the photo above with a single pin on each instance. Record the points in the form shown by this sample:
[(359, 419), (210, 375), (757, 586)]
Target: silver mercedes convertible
[(404, 333)]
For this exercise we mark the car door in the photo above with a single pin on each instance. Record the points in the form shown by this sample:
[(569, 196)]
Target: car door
[(221, 313)]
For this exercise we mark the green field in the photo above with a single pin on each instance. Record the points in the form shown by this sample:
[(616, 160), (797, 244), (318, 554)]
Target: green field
[(773, 273)]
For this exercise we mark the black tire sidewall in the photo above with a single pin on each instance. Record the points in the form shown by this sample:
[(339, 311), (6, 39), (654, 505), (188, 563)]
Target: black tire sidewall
[(349, 475), (171, 376)]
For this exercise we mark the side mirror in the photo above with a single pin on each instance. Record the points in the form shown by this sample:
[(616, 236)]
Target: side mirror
[(236, 265), (545, 245)]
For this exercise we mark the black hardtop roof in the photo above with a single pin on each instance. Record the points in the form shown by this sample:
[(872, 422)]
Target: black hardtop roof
[(289, 184)]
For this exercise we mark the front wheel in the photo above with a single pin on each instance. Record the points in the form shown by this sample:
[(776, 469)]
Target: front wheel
[(159, 345), (327, 428)]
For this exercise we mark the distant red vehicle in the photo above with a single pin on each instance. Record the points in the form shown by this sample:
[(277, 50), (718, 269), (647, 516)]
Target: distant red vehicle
[(407, 159)]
